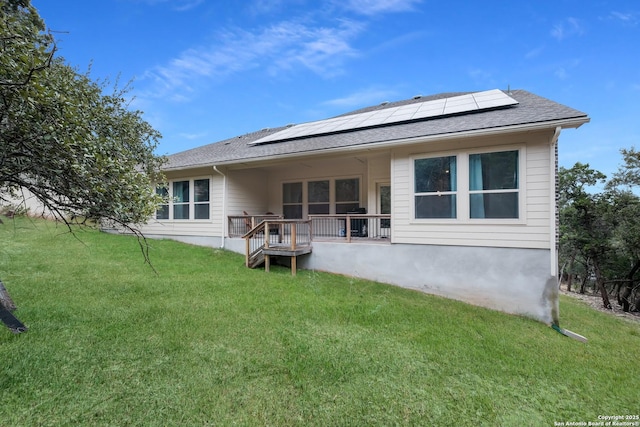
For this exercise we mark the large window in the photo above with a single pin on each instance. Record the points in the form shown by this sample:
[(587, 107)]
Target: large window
[(181, 200), (292, 200), (435, 187), (493, 185), (190, 199), (321, 197), (163, 210), (201, 198), (347, 195), (468, 186)]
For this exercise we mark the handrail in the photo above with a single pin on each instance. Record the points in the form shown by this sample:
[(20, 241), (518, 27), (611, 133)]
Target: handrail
[(253, 243), (239, 225), (281, 234)]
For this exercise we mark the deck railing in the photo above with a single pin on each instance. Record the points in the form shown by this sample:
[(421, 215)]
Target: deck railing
[(286, 235), (239, 225), (344, 227), (350, 227)]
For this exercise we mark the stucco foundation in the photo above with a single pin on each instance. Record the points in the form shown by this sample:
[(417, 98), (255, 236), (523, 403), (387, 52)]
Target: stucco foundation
[(512, 280)]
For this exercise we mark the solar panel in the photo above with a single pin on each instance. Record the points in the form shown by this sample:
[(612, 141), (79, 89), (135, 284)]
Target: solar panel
[(420, 110)]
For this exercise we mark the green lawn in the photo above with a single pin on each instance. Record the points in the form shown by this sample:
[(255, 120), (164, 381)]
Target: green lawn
[(208, 342)]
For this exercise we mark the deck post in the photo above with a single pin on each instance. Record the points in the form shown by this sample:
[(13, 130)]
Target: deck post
[(247, 251), (293, 236), (294, 262), (267, 262), (266, 234)]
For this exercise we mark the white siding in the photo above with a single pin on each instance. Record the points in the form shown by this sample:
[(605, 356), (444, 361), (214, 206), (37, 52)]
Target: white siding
[(320, 169), (532, 230), (201, 228), (247, 191)]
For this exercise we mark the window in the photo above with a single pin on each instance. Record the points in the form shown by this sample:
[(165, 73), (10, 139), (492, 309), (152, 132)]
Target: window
[(322, 197), (347, 195), (292, 200), (493, 185), (318, 195), (435, 187), (468, 186), (190, 199), (181, 200), (163, 210), (201, 198)]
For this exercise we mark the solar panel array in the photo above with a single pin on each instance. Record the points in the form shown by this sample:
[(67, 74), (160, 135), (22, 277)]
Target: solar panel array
[(416, 111)]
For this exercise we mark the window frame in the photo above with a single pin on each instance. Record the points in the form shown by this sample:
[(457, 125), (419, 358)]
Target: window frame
[(515, 190), (463, 192), (171, 203), (453, 192), (332, 193)]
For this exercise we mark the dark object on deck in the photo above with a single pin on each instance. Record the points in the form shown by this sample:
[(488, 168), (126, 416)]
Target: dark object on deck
[(358, 225), (11, 321)]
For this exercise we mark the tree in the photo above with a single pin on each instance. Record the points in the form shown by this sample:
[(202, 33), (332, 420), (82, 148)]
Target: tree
[(626, 217), (583, 228), (82, 152)]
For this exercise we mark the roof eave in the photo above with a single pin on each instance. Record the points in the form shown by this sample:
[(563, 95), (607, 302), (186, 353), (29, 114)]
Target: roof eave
[(571, 123)]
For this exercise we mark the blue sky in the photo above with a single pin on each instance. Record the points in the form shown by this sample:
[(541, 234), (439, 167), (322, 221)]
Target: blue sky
[(207, 70)]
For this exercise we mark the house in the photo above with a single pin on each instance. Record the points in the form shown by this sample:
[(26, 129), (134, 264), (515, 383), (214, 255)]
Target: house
[(451, 194)]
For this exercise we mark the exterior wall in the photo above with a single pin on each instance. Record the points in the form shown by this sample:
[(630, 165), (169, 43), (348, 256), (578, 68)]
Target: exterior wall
[(193, 228), (248, 191), (531, 230), (26, 201), (317, 169)]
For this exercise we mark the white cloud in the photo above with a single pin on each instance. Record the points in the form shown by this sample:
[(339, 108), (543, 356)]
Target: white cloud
[(480, 75), (283, 46), (362, 98), (568, 28), (374, 7), (178, 5), (534, 53), (630, 19), (187, 5), (561, 73), (192, 136)]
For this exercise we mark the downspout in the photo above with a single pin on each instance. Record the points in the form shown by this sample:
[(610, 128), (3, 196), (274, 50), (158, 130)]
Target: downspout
[(554, 227), (224, 205), (553, 214), (552, 288)]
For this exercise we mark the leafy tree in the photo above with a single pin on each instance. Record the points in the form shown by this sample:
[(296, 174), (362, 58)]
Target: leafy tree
[(626, 217), (601, 230), (82, 153), (583, 228)]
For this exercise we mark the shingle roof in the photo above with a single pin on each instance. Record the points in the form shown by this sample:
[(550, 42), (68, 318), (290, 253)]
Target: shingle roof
[(530, 110)]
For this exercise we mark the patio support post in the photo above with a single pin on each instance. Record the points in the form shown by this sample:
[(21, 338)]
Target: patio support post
[(293, 236)]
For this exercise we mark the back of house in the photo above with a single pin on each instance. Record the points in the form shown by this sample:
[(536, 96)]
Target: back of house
[(452, 194)]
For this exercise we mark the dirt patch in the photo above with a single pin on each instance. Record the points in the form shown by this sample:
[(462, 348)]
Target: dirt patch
[(595, 302)]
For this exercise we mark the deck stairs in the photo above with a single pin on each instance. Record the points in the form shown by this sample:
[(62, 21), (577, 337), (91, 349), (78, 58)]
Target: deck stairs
[(279, 238)]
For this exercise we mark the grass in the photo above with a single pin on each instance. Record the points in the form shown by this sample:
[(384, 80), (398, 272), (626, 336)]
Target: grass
[(208, 342)]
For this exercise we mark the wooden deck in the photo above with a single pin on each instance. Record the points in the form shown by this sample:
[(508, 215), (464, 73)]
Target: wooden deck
[(287, 252), (281, 238)]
